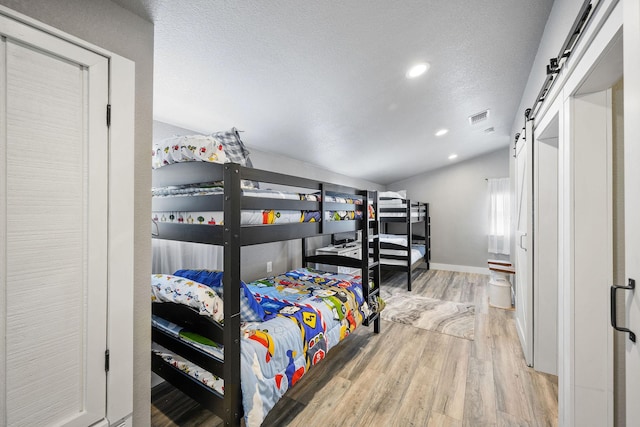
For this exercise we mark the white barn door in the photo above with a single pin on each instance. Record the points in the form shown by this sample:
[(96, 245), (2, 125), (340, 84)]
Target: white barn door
[(632, 205), (524, 252), (53, 229)]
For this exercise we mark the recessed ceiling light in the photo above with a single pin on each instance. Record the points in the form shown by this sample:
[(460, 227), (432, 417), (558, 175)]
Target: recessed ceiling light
[(442, 132), (417, 70), (453, 156)]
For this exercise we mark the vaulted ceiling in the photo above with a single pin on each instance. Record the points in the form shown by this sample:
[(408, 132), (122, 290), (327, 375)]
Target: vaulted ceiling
[(325, 81)]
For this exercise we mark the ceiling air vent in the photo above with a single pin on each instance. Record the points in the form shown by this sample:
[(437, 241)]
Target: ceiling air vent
[(479, 117), (490, 130)]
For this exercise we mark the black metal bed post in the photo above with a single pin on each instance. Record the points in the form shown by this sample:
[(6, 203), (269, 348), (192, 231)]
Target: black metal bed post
[(376, 249), (364, 252), (231, 283), (304, 252), (409, 244), (427, 236), (323, 198)]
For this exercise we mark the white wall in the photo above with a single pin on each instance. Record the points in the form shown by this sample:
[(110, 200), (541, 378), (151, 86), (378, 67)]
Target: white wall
[(113, 28), (283, 255), (458, 203)]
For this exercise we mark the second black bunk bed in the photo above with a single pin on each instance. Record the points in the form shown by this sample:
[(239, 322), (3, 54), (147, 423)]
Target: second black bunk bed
[(185, 209), (402, 248)]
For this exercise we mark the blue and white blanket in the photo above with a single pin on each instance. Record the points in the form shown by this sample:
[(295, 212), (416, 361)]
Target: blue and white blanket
[(306, 314)]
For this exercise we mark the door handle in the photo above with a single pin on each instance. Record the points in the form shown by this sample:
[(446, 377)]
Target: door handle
[(523, 235), (614, 308)]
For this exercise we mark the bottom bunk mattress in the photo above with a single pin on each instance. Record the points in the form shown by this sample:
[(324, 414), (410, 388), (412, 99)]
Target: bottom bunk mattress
[(305, 314), (400, 240), (417, 253)]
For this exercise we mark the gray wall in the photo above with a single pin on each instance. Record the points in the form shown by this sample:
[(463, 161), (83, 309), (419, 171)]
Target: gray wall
[(283, 255), (111, 27), (458, 204)]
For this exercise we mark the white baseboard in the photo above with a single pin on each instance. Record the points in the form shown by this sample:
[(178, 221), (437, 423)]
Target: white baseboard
[(459, 268)]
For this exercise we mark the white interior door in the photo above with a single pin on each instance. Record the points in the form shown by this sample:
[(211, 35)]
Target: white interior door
[(524, 282), (592, 338), (632, 265), (632, 202), (545, 268), (53, 229)]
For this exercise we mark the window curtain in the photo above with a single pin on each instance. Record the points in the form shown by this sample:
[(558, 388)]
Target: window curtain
[(499, 215)]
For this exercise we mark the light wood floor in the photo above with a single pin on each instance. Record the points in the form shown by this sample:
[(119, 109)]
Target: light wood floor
[(407, 376)]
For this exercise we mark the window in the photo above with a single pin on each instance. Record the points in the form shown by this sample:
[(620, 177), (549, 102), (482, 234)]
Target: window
[(499, 216)]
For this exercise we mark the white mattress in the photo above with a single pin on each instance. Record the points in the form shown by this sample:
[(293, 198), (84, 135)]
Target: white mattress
[(400, 194), (415, 257), (398, 215), (394, 238), (393, 203)]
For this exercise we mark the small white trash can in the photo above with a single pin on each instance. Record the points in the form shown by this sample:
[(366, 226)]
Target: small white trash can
[(500, 292), (499, 284)]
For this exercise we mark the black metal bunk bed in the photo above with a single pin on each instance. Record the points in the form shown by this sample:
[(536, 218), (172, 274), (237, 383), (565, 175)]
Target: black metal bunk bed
[(410, 214), (233, 236)]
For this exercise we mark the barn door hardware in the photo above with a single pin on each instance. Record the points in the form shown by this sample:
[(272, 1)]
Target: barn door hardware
[(553, 67), (555, 64)]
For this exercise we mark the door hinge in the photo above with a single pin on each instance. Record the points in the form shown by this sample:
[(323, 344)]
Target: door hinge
[(108, 115), (106, 360)]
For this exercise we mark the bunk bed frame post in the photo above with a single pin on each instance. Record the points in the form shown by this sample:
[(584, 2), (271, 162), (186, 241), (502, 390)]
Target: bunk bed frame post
[(375, 223), (409, 232), (323, 198), (231, 282), (427, 236), (304, 251)]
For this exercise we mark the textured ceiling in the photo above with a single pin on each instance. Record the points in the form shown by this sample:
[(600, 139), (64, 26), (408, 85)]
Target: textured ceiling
[(324, 81)]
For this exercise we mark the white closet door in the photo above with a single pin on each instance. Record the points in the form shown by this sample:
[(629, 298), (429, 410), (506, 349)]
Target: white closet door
[(524, 253), (632, 204), (53, 229)]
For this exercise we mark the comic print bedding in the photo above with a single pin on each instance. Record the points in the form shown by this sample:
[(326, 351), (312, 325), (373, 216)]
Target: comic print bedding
[(193, 148), (247, 217), (213, 188), (255, 217), (307, 314), (180, 290), (219, 147)]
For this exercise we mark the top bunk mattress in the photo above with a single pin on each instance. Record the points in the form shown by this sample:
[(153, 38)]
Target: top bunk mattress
[(217, 188), (257, 217), (390, 202)]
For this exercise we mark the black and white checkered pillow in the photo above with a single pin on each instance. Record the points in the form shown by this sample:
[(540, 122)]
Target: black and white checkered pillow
[(235, 151)]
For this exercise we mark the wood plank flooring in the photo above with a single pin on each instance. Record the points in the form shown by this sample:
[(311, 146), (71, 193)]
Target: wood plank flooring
[(407, 376)]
